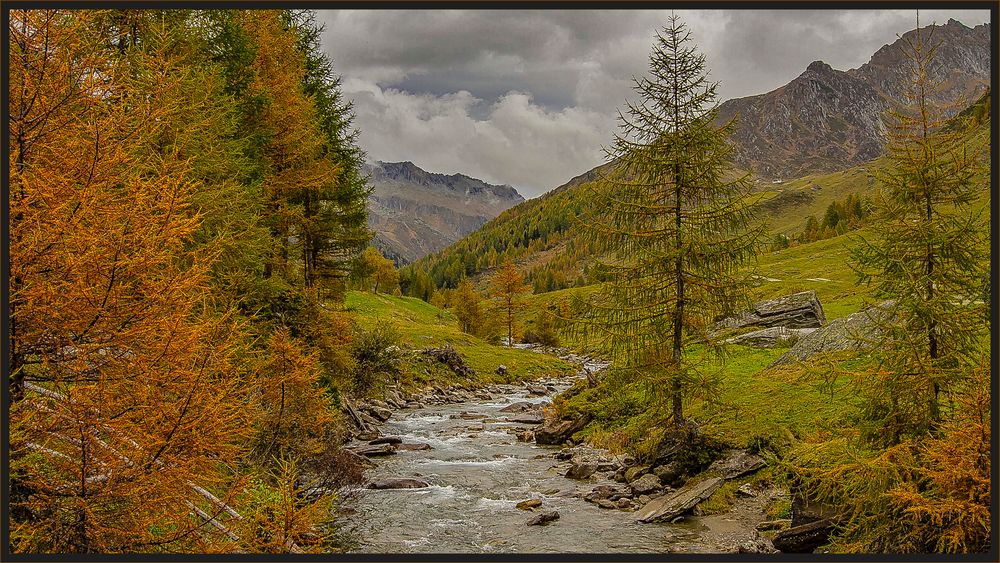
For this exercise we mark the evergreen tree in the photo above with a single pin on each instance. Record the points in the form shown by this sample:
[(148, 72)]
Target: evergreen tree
[(336, 213), (677, 234), (929, 257)]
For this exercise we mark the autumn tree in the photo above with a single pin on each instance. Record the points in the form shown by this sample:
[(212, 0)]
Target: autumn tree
[(506, 288), (296, 415), (676, 233), (927, 256), (134, 400), (386, 276), (123, 390), (377, 271), (469, 308)]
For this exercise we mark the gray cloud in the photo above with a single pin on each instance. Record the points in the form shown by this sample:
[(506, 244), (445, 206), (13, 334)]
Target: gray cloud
[(528, 97)]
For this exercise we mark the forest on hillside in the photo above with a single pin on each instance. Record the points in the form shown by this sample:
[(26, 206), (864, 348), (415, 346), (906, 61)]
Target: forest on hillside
[(208, 354)]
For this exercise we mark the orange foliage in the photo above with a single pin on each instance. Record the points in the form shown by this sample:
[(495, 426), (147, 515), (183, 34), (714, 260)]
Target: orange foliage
[(295, 413), (124, 394), (297, 167)]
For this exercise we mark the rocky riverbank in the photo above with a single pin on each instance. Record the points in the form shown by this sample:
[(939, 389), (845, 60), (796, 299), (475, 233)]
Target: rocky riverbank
[(470, 453)]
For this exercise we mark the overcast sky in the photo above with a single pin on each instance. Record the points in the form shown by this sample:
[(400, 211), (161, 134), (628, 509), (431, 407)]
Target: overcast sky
[(528, 98)]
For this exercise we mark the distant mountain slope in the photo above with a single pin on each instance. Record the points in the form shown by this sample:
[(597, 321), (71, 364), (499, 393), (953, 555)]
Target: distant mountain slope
[(414, 212), (543, 235), (826, 119)]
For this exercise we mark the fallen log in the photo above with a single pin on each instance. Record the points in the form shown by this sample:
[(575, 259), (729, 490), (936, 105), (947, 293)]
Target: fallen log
[(805, 538), (679, 502)]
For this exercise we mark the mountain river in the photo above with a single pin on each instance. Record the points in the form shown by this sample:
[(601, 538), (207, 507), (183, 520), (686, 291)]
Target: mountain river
[(478, 471)]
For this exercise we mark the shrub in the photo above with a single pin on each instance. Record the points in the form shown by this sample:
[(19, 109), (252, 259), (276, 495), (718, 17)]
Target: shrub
[(376, 354)]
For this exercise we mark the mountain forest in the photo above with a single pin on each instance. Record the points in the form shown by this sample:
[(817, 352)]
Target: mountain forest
[(748, 331)]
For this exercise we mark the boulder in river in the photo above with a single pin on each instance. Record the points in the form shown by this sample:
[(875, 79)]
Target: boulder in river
[(375, 451), (398, 484), (581, 470), (556, 431), (529, 504), (386, 440), (537, 390), (520, 406), (607, 492), (414, 447), (647, 484), (535, 417), (544, 518)]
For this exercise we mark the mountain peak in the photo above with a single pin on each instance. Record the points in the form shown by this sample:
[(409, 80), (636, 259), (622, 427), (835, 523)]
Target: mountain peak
[(415, 212), (819, 66)]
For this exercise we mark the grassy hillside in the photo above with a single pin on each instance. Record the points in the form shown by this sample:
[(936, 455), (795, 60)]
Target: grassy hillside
[(421, 325), (543, 235)]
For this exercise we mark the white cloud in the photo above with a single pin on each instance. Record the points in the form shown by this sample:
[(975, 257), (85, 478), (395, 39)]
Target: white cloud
[(517, 142), (527, 98)]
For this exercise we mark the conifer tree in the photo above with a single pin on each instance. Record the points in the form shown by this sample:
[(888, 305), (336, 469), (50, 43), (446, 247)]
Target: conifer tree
[(468, 308), (677, 234), (507, 285), (928, 256)]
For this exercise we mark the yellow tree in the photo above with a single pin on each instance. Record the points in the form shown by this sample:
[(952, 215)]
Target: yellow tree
[(507, 286), (123, 392), (468, 308)]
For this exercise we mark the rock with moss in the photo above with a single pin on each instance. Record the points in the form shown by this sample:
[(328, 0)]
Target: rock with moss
[(853, 332)]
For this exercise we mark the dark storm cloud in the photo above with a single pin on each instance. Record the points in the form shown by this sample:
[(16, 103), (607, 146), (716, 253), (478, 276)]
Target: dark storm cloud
[(528, 97)]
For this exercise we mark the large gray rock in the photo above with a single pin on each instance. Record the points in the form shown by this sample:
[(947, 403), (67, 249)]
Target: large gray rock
[(530, 417), (770, 337), (798, 310), (857, 331), (607, 492), (386, 440), (544, 518), (376, 450), (679, 502), (736, 463), (805, 538), (646, 484), (520, 406), (581, 470)]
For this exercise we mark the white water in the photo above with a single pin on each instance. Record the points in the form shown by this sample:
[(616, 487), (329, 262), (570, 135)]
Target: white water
[(478, 472)]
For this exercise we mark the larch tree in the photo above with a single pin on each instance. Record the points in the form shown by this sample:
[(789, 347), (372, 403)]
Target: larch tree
[(297, 167), (928, 255), (468, 308), (124, 393), (336, 215), (506, 288), (386, 276), (676, 234)]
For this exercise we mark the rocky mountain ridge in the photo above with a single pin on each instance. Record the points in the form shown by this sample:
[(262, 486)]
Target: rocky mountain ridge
[(414, 212), (827, 119)]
